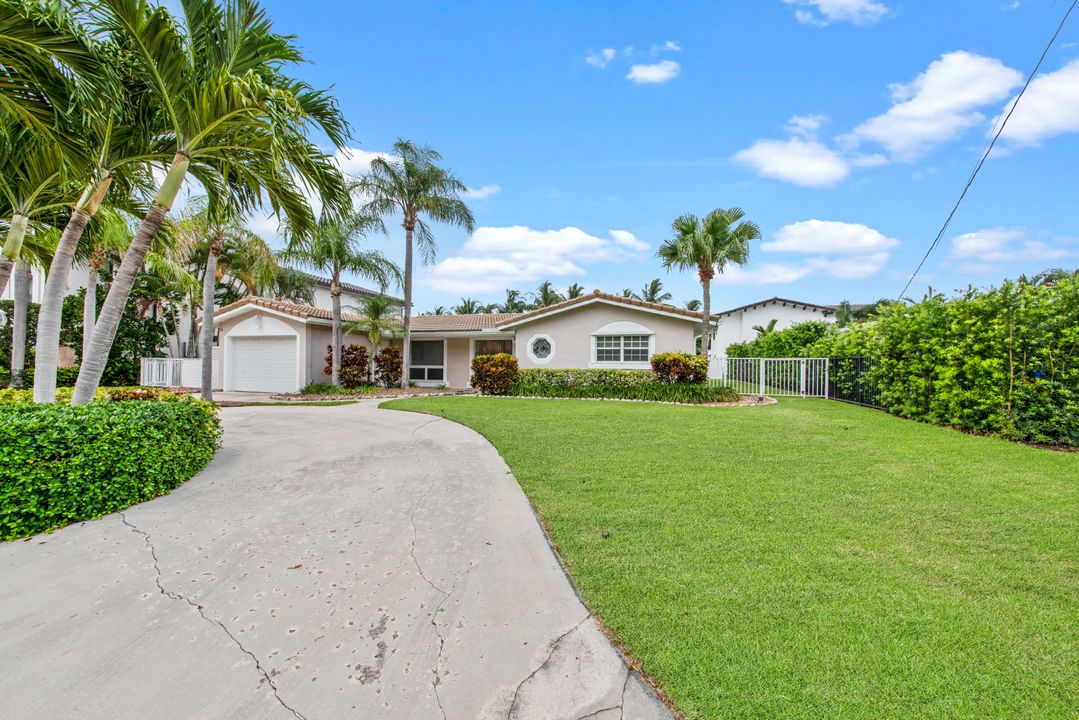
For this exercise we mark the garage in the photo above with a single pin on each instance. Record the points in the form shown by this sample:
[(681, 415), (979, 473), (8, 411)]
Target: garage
[(264, 364)]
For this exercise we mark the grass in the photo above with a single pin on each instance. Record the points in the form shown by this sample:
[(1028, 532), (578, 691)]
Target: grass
[(809, 559)]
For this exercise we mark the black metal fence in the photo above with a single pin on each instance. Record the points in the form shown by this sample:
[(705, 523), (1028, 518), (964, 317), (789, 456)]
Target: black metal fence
[(855, 380)]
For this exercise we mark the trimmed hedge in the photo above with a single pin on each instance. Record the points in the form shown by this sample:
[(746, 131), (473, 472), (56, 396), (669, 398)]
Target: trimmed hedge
[(615, 385), (494, 374), (61, 464), (11, 396), (535, 377)]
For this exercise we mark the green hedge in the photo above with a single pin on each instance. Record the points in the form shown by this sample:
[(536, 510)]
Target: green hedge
[(540, 377), (61, 464), (1002, 360), (494, 374)]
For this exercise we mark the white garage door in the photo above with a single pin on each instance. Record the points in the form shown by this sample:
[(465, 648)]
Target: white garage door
[(264, 364)]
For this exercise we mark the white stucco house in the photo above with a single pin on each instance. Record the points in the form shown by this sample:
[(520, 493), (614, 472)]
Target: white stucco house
[(268, 345)]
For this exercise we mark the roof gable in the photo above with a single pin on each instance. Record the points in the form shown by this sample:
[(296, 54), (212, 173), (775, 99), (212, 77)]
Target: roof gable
[(823, 309), (605, 298)]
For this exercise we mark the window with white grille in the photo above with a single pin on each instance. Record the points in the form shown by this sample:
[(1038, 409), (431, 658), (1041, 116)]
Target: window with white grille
[(621, 348)]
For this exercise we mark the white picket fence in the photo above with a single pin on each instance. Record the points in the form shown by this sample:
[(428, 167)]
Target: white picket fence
[(774, 377), (177, 372)]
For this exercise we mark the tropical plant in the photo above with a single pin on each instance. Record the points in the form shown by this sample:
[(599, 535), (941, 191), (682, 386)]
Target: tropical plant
[(335, 248), (693, 305), (379, 318), (412, 184), (768, 329), (514, 302), (228, 115), (388, 366), (467, 306), (709, 246), (494, 374), (19, 322), (546, 295), (629, 294), (292, 285), (575, 290), (653, 292)]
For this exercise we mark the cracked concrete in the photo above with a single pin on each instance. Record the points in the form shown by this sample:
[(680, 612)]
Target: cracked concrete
[(331, 562)]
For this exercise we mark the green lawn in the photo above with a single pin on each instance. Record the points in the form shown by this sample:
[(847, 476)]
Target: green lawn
[(809, 559)]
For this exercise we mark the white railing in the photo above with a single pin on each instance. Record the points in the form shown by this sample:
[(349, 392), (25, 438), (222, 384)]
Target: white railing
[(773, 377), (161, 372)]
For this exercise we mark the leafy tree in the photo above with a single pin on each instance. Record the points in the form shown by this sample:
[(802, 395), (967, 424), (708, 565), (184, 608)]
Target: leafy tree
[(229, 115), (293, 286), (468, 306), (768, 329), (575, 290), (380, 318), (844, 315), (694, 305), (336, 248), (412, 184), (546, 295), (709, 246), (653, 292), (514, 302)]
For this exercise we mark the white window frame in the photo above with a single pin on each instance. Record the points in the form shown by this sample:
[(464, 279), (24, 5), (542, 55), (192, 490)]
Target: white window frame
[(625, 364), (533, 357), (429, 383)]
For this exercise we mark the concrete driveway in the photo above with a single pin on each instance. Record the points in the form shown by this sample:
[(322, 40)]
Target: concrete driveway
[(332, 562)]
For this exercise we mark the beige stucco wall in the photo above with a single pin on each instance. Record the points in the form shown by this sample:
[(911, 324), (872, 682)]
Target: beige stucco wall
[(458, 362), (572, 331)]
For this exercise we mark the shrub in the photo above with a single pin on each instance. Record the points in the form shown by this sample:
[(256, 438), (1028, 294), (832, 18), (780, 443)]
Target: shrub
[(61, 464), (542, 377), (326, 389), (10, 396), (355, 366), (388, 366), (494, 374), (680, 368), (650, 390)]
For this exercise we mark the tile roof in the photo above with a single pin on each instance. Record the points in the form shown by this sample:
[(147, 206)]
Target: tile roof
[(349, 287), (596, 294), (460, 323), (301, 311)]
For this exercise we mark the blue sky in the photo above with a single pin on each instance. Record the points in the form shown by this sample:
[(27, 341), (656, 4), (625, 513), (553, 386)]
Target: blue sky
[(844, 128)]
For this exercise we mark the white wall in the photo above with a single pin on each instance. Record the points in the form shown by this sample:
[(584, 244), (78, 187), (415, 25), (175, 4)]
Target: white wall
[(738, 326), (76, 280)]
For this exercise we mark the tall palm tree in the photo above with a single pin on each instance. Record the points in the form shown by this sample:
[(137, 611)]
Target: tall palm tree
[(514, 302), (468, 306), (708, 246), (412, 184), (653, 292), (230, 117), (335, 248), (380, 318), (575, 290), (23, 279), (546, 295)]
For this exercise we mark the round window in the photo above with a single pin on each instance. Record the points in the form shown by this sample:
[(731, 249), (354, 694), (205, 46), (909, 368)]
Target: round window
[(541, 348)]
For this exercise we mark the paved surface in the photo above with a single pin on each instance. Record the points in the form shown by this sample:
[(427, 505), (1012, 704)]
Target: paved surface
[(332, 562)]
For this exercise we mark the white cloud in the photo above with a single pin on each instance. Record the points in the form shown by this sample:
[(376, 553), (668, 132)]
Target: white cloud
[(628, 240), (669, 46), (765, 274), (984, 251), (355, 162), (659, 72), (823, 12), (828, 236), (495, 258), (600, 59), (937, 105), (850, 268), (796, 160), (483, 192), (1049, 107)]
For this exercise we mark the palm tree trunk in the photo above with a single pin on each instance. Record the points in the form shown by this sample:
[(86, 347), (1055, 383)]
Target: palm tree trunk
[(406, 338), (46, 359), (93, 365), (206, 338), (12, 247), (18, 324), (335, 334), (89, 307), (706, 317)]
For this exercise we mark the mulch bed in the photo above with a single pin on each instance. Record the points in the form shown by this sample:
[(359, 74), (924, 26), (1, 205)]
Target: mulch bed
[(382, 393)]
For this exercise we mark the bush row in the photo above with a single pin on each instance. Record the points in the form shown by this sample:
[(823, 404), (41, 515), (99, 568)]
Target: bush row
[(649, 389), (61, 464), (1003, 360), (11, 396)]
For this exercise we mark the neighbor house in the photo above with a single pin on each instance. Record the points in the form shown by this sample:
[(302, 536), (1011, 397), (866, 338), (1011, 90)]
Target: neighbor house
[(269, 345)]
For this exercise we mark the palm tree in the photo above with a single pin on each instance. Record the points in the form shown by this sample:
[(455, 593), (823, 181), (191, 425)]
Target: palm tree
[(575, 290), (694, 305), (628, 293), (22, 283), (230, 117), (379, 318), (514, 303), (292, 285), (468, 306), (546, 295), (653, 292), (708, 246), (335, 248), (411, 183), (768, 329)]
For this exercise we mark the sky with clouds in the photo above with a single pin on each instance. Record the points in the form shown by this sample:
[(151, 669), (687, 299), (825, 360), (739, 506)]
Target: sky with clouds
[(844, 128)]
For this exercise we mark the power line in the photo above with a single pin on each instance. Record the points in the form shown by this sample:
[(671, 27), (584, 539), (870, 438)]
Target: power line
[(989, 149)]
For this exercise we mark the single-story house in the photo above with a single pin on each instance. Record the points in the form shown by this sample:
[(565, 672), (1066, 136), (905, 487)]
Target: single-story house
[(268, 345)]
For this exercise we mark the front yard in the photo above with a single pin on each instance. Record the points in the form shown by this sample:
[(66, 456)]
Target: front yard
[(808, 559)]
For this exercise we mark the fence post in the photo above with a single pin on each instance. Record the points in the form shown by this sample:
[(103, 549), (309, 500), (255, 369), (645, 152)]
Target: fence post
[(762, 377), (827, 377), (803, 383)]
